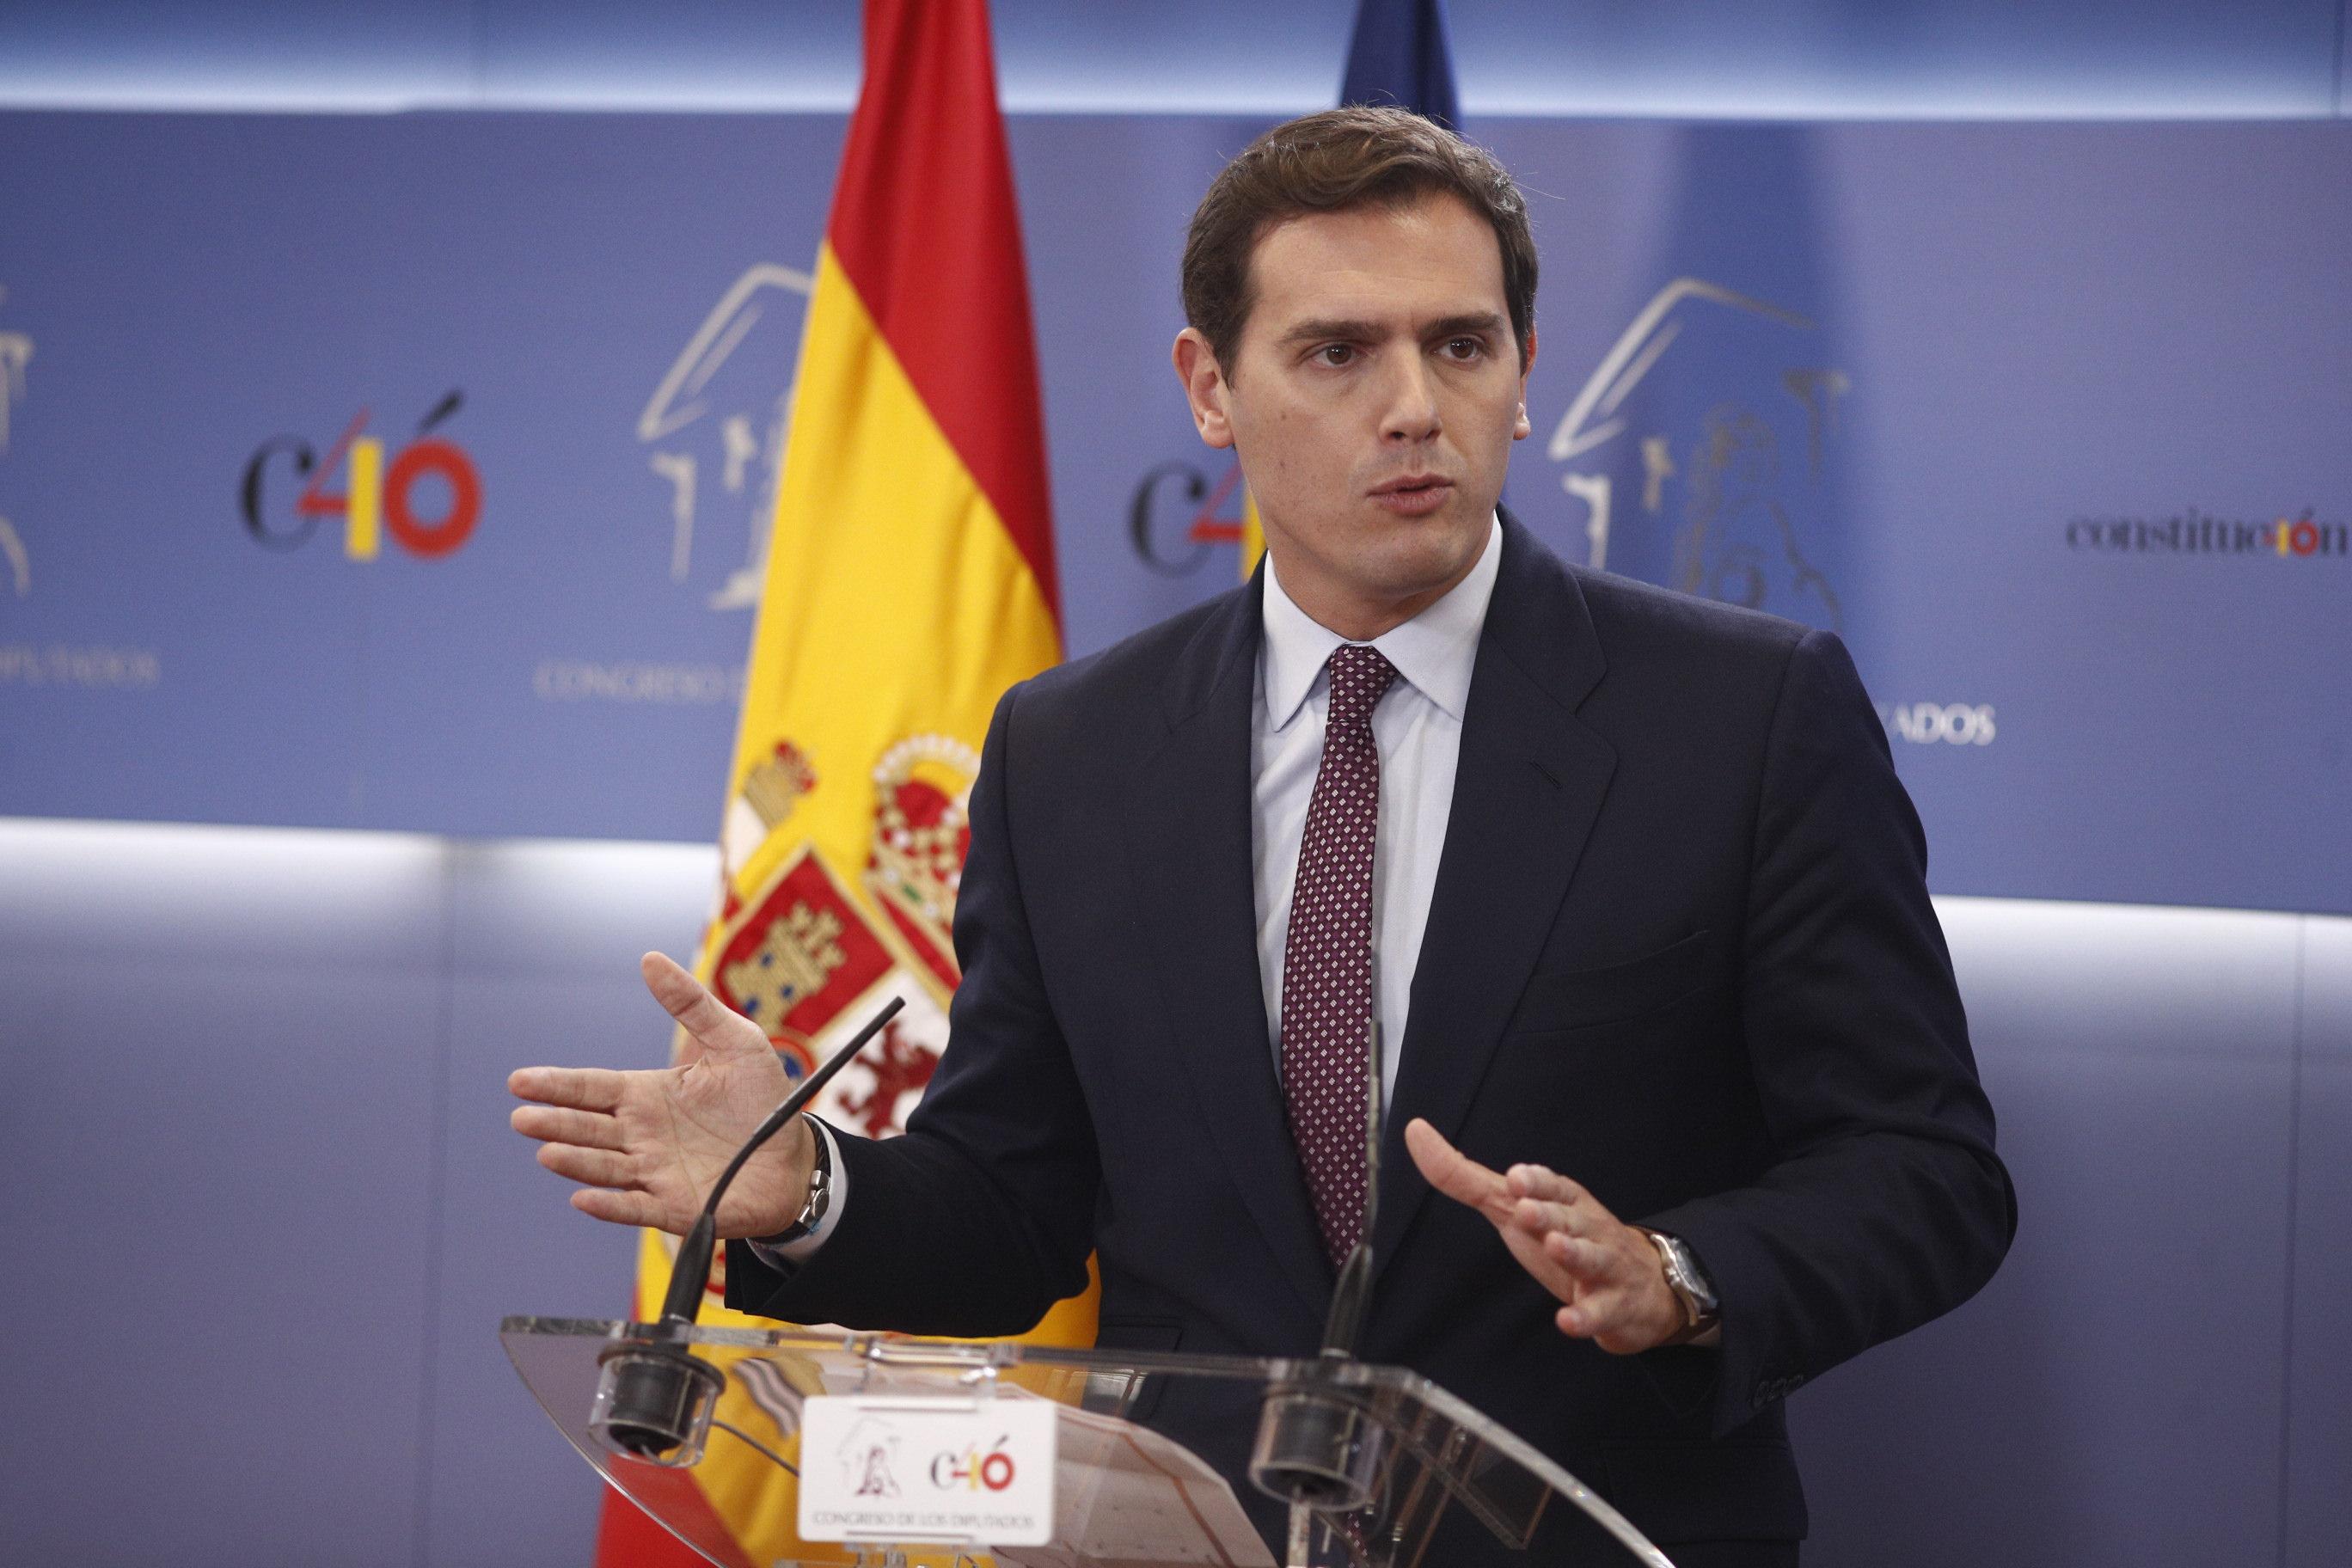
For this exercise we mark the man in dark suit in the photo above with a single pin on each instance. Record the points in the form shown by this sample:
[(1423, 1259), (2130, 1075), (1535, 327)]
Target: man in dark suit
[(1682, 1110)]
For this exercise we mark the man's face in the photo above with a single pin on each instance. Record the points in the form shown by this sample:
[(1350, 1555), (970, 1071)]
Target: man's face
[(1373, 400)]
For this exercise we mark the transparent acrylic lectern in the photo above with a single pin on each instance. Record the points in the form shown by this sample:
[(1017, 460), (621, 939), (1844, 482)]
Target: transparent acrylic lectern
[(1385, 1451)]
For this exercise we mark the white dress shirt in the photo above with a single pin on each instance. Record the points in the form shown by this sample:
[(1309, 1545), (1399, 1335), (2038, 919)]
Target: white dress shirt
[(1417, 729)]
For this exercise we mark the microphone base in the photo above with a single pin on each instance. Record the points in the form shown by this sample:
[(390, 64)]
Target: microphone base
[(1318, 1448), (654, 1402)]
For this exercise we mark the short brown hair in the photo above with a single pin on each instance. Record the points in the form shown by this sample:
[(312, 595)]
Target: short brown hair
[(1339, 159)]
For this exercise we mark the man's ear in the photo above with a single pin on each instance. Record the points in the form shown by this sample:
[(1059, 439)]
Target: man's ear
[(1524, 428), (1204, 386)]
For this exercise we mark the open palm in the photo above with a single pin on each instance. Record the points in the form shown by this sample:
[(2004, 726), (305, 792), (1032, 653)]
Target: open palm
[(648, 1145)]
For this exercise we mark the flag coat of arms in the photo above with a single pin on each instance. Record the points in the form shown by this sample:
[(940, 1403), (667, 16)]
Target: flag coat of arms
[(909, 581)]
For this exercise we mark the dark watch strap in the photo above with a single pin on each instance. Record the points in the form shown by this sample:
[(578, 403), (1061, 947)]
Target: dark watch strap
[(820, 1193)]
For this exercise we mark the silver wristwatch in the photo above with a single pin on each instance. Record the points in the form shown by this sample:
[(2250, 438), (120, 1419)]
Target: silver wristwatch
[(1701, 1309), (820, 1192)]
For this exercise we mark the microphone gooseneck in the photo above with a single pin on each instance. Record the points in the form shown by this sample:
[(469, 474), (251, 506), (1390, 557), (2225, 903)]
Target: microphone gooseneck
[(1318, 1447), (691, 1270), (654, 1400)]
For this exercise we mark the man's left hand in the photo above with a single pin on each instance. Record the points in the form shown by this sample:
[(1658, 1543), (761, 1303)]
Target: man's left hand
[(1606, 1272)]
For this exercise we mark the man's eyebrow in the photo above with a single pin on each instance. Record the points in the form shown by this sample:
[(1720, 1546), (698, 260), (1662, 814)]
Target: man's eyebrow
[(1488, 321), (1334, 331), (1330, 331)]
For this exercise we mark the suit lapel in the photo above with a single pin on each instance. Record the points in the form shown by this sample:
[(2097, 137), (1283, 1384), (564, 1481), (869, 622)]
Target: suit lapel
[(1197, 897), (1527, 790)]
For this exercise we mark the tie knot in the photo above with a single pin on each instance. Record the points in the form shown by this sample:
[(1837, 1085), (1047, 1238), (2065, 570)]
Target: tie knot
[(1360, 678)]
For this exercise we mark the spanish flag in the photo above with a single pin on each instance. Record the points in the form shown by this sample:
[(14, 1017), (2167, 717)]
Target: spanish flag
[(909, 582)]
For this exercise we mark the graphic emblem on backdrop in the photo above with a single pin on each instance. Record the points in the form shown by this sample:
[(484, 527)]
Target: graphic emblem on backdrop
[(376, 498), (1712, 462), (16, 354), (1177, 516), (20, 564), (730, 435)]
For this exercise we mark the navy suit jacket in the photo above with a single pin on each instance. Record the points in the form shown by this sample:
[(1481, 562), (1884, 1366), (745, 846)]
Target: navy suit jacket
[(1680, 947)]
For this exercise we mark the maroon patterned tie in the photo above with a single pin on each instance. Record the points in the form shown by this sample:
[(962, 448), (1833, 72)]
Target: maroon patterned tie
[(1327, 958)]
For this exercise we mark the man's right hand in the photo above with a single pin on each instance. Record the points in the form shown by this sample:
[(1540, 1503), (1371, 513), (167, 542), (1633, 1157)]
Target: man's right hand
[(648, 1145)]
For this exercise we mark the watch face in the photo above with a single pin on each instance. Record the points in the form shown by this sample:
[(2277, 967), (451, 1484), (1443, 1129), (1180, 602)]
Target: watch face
[(1683, 1273), (1692, 1280)]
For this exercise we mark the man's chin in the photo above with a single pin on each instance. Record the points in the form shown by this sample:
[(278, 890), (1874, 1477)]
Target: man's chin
[(1438, 545), (1425, 564)]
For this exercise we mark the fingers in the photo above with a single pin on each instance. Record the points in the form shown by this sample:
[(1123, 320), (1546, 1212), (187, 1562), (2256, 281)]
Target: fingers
[(697, 1012), (671, 984), (589, 1088), (1538, 1218), (1548, 1201), (1596, 1295), (597, 1167), (1454, 1173), (585, 1146), (1618, 1297), (620, 1207), (1550, 1186), (610, 1178), (1610, 1319), (552, 1124), (1565, 1238), (1583, 1249), (1588, 1261), (1588, 1319)]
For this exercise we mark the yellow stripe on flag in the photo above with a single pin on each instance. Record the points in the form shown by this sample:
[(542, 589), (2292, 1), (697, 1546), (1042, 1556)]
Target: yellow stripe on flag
[(895, 603)]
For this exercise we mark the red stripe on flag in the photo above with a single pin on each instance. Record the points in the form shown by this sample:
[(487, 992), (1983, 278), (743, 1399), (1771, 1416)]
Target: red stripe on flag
[(924, 224)]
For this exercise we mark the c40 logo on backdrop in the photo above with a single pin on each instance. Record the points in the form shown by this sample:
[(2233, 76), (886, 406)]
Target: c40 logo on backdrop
[(1216, 517), (376, 498)]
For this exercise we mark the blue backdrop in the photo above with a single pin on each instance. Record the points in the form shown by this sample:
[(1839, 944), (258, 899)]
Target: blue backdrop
[(2047, 419)]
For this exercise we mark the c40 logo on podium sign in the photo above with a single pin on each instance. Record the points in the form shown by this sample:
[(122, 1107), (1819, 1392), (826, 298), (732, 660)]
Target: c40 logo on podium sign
[(376, 499), (900, 1468)]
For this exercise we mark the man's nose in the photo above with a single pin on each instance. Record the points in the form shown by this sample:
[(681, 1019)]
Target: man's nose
[(1411, 411)]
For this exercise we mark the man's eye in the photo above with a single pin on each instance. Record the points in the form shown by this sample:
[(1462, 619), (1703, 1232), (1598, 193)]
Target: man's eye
[(1335, 354), (1464, 348)]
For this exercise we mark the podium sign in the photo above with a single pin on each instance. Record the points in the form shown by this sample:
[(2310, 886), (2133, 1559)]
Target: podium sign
[(924, 1469)]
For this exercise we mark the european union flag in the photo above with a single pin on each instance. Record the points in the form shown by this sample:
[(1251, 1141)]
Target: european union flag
[(1399, 56)]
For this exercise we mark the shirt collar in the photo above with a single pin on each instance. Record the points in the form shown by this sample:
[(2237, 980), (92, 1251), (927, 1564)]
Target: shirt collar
[(1434, 651)]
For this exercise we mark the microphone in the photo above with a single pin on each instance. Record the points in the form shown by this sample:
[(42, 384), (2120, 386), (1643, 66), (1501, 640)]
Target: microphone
[(1318, 1446), (654, 1401)]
